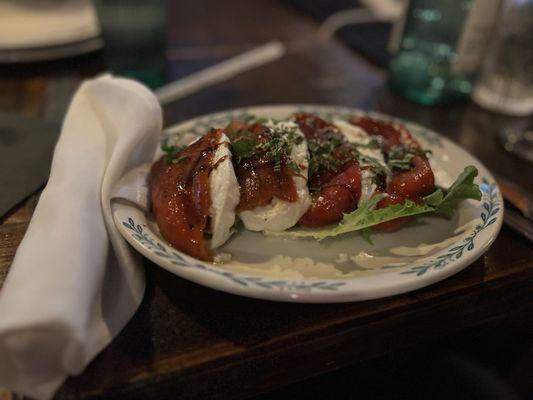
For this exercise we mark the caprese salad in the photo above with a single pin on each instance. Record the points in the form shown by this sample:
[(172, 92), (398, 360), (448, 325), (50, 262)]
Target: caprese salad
[(301, 177)]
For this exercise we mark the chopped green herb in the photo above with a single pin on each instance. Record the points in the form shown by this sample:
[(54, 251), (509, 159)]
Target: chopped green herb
[(252, 119), (295, 167), (330, 152), (171, 152), (237, 224), (375, 142), (399, 157), (380, 170), (403, 164), (260, 121), (243, 147), (322, 157), (179, 159), (279, 147)]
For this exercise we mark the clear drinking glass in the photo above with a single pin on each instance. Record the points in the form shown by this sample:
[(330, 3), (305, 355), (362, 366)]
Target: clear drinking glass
[(506, 82)]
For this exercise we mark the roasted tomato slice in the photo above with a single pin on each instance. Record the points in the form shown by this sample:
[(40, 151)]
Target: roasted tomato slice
[(260, 182), (338, 196), (179, 193), (393, 134), (337, 188), (315, 127), (408, 185), (420, 181)]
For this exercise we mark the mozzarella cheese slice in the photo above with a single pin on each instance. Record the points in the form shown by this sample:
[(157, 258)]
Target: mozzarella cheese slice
[(280, 215), (224, 192)]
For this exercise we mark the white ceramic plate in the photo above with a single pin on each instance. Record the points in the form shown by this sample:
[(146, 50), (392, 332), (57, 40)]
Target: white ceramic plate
[(339, 269)]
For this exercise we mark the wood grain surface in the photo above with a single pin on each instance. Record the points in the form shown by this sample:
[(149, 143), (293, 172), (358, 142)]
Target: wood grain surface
[(187, 341)]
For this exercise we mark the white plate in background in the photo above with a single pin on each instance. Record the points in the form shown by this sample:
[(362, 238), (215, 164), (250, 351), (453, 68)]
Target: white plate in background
[(37, 30)]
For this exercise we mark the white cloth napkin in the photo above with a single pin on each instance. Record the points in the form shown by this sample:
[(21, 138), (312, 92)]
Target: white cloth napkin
[(74, 282)]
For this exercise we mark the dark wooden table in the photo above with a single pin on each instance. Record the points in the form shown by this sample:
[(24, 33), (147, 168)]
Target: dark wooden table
[(187, 341)]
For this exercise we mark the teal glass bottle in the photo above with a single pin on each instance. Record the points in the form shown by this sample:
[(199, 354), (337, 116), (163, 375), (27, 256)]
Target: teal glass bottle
[(134, 33), (439, 48)]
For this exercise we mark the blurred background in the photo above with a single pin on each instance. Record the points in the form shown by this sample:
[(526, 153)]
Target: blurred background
[(431, 52), (462, 67)]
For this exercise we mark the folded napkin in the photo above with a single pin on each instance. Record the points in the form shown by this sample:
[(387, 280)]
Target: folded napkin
[(74, 282)]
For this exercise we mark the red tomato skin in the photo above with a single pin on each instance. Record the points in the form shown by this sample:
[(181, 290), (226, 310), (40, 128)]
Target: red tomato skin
[(338, 196)]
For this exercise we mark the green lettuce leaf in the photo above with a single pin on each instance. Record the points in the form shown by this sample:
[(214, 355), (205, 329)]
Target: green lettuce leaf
[(463, 188), (364, 217), (367, 215)]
